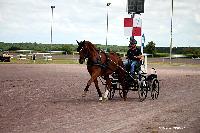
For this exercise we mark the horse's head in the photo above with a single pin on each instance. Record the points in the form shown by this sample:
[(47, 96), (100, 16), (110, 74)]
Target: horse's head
[(83, 52)]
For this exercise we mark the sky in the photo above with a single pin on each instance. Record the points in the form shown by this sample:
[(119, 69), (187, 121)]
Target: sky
[(30, 21)]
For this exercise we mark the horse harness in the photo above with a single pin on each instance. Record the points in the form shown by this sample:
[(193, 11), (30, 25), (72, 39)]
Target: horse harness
[(98, 61)]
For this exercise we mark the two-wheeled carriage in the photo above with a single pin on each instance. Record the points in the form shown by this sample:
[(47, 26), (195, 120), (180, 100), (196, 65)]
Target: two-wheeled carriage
[(140, 82), (101, 64)]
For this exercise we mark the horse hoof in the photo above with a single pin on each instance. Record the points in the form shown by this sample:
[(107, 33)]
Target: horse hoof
[(105, 99), (100, 99), (84, 94)]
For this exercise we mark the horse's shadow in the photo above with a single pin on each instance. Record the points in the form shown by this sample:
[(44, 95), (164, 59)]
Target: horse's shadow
[(87, 101)]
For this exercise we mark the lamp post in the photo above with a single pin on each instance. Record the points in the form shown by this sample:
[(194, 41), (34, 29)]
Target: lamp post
[(107, 5), (52, 7), (170, 52)]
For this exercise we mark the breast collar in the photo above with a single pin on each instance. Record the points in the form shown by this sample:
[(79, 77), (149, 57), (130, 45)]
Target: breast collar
[(98, 61)]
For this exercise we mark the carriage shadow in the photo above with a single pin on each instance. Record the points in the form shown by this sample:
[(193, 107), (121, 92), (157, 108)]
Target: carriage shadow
[(90, 101)]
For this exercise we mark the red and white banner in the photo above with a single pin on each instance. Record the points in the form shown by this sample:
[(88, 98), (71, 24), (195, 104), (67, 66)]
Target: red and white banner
[(128, 22), (128, 26), (132, 26), (136, 31), (137, 22)]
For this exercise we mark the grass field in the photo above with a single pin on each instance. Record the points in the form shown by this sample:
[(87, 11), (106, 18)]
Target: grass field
[(73, 59), (42, 61)]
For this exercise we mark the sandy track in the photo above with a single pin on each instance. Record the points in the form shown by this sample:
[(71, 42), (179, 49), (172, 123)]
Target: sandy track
[(47, 98)]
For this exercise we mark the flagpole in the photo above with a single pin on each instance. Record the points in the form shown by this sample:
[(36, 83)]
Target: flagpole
[(171, 32)]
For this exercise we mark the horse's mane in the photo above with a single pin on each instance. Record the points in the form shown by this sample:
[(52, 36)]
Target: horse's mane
[(91, 46)]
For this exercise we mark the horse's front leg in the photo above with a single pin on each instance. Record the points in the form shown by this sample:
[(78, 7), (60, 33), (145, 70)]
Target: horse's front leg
[(92, 79)]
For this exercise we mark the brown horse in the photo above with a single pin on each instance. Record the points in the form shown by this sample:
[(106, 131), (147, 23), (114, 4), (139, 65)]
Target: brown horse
[(100, 64)]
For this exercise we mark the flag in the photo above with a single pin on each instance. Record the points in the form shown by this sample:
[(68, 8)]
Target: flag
[(137, 22), (136, 31), (132, 26), (128, 31), (128, 26), (137, 27), (128, 22)]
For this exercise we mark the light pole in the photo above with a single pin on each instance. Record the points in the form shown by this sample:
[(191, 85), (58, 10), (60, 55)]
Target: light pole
[(107, 5), (170, 51), (52, 7)]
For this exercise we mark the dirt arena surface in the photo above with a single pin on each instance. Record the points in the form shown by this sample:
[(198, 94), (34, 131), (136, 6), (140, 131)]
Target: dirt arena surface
[(47, 98)]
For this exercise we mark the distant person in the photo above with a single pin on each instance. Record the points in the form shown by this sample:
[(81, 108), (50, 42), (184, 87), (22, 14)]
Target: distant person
[(34, 56), (134, 56)]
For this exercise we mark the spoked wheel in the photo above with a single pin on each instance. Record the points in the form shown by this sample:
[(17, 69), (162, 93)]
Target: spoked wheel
[(142, 89), (155, 89), (112, 92), (121, 92)]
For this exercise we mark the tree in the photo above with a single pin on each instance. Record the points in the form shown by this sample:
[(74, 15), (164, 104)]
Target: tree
[(150, 48), (13, 48), (67, 49)]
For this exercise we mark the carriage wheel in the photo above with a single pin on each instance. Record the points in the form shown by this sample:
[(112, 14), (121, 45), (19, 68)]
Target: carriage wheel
[(121, 92), (111, 93), (142, 90), (155, 89)]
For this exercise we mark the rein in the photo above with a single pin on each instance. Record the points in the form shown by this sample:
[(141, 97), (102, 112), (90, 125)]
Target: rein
[(92, 62), (98, 61)]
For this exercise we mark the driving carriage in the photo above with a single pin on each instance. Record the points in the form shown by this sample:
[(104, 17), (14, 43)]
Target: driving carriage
[(109, 66), (140, 82)]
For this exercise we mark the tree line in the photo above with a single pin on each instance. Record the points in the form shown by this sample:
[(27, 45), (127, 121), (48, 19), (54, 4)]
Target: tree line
[(150, 48)]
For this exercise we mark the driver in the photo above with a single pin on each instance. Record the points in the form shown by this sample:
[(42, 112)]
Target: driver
[(134, 56)]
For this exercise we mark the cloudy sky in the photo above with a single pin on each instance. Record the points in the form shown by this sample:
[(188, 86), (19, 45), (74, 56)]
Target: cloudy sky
[(30, 21)]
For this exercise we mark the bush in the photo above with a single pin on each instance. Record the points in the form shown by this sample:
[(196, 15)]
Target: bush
[(67, 49), (150, 48)]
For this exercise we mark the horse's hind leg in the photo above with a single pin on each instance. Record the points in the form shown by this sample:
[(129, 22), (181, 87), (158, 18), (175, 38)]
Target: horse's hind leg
[(122, 82), (98, 90), (108, 83)]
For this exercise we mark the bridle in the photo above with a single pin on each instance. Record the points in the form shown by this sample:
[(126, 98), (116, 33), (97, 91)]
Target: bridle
[(84, 52)]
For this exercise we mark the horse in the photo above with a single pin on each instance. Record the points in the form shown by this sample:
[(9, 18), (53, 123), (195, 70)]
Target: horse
[(100, 64)]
